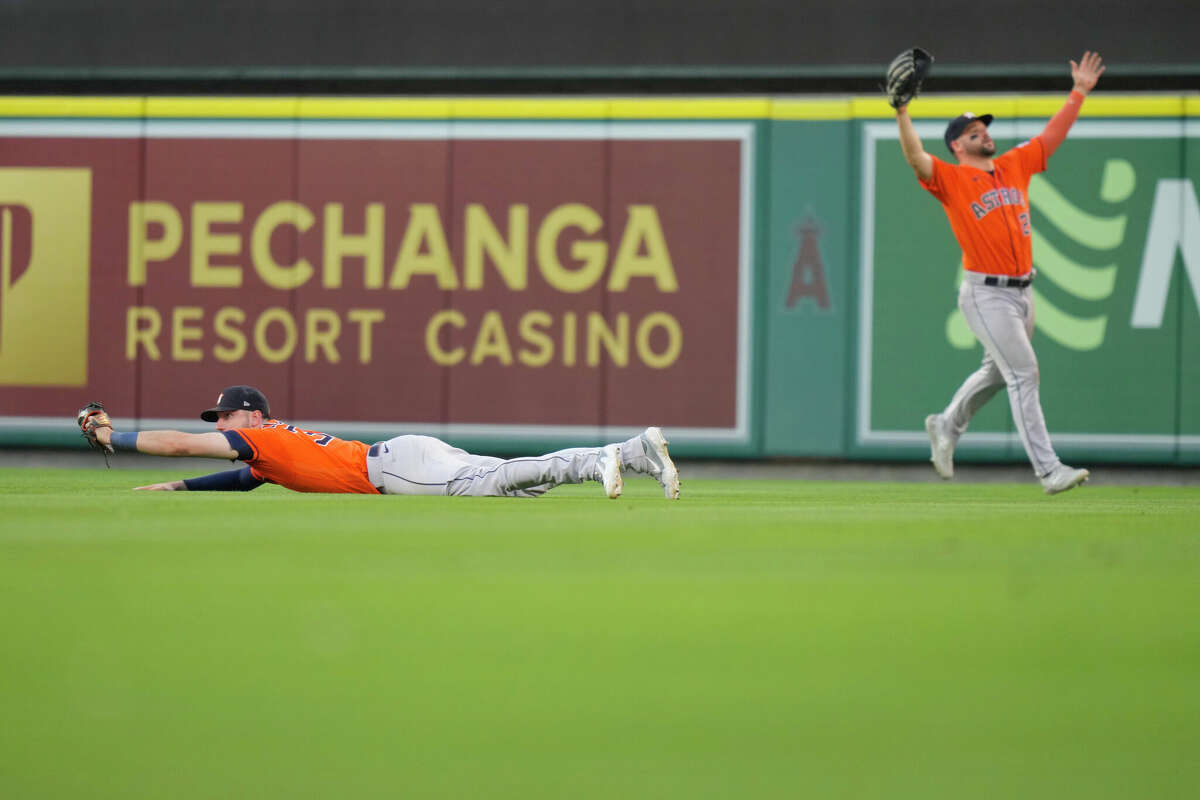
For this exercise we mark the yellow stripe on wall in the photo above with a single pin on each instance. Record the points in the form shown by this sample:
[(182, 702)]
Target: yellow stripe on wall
[(584, 108), (80, 107)]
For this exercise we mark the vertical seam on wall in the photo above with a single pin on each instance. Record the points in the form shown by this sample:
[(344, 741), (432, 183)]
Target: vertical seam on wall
[(1179, 303), (141, 290), (760, 305)]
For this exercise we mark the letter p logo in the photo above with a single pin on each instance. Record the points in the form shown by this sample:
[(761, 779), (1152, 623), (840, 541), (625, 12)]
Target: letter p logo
[(45, 243)]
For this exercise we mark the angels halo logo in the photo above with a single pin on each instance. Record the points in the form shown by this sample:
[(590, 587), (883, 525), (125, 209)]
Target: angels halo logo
[(45, 244)]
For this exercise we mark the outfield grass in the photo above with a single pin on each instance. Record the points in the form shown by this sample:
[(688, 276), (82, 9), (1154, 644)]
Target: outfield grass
[(755, 639)]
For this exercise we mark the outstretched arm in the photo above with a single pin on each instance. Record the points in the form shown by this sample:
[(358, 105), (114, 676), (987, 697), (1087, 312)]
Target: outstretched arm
[(910, 143), (1084, 74), (170, 443), (234, 480)]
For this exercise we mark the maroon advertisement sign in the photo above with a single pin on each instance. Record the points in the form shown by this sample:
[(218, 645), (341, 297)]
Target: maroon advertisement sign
[(575, 281)]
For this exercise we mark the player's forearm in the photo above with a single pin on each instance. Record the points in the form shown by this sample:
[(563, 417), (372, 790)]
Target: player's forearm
[(234, 480), (1058, 126), (910, 143), (170, 443)]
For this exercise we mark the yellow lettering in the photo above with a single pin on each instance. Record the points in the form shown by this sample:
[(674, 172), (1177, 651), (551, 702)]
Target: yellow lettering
[(617, 344), (275, 355), (227, 325), (592, 254), (643, 230), (433, 345), (568, 339), (339, 245), (275, 275), (530, 327), (206, 244), (424, 228), (136, 334), (509, 257), (322, 327), (364, 318), (492, 341), (141, 247), (674, 332), (182, 332)]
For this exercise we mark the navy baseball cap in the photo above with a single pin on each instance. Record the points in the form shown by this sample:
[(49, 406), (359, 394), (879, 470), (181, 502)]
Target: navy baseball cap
[(960, 123), (238, 398)]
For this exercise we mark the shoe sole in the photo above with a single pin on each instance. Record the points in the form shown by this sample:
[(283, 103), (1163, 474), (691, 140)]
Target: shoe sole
[(669, 475), (929, 423), (614, 484), (1080, 481)]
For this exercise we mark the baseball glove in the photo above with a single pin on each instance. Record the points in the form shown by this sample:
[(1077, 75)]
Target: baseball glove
[(91, 417), (905, 75)]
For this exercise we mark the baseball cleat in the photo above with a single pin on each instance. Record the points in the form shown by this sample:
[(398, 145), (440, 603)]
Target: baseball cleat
[(941, 446), (655, 445), (1062, 478), (610, 471)]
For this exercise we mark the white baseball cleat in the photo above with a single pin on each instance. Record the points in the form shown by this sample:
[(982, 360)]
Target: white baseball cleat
[(1062, 478), (610, 471), (941, 446), (655, 445)]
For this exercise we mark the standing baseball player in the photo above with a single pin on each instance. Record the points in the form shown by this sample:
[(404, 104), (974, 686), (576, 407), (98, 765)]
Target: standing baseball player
[(985, 197), (311, 461)]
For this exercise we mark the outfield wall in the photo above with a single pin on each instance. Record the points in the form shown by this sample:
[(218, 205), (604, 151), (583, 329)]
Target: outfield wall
[(761, 275)]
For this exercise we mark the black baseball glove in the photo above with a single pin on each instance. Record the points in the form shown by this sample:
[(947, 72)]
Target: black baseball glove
[(91, 417), (905, 75)]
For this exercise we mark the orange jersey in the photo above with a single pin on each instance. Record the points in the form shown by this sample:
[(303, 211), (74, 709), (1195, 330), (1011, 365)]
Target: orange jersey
[(989, 211), (305, 461)]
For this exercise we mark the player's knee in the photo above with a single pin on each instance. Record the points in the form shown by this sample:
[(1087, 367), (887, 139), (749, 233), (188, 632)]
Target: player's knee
[(1029, 375)]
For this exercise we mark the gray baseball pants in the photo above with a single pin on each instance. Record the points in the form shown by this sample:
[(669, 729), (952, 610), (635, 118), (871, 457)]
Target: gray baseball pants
[(425, 465), (1001, 318)]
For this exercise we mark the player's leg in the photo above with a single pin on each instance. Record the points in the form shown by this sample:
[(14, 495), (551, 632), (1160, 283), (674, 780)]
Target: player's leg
[(525, 477), (414, 465), (999, 317), (1062, 477), (944, 429), (647, 454)]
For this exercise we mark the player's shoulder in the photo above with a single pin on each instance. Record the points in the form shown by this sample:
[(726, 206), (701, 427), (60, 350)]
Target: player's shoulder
[(270, 427), (1021, 148)]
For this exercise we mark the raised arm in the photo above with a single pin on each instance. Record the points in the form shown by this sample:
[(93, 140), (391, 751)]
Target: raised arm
[(1084, 74), (910, 143)]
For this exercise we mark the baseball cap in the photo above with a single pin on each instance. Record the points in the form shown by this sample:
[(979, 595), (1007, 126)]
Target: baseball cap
[(238, 398), (960, 123)]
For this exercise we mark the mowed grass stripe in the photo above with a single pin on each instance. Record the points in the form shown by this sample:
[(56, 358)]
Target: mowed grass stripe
[(763, 638)]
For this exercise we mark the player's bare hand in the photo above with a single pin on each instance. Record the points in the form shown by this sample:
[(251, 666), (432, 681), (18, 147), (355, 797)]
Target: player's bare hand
[(170, 486), (1087, 72)]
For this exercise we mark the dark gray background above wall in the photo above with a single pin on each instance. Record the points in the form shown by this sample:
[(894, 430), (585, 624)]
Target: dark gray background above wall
[(539, 44)]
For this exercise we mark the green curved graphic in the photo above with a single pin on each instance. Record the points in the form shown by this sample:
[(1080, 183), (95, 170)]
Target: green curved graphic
[(1118, 182), (1087, 283), (1091, 232), (1077, 333), (1101, 233)]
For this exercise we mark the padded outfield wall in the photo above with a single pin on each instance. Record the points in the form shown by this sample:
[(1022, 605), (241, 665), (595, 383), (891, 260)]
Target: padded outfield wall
[(760, 275)]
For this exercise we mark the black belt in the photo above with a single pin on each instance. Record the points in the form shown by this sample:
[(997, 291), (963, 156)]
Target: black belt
[(1010, 283)]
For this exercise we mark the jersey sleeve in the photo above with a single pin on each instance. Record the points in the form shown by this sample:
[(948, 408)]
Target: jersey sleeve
[(234, 480), (937, 185), (242, 444), (1031, 155)]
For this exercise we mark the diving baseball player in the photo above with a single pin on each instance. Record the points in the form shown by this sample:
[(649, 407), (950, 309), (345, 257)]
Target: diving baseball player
[(985, 197), (311, 461)]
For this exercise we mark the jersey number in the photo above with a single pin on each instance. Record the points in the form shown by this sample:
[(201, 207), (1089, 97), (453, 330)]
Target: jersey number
[(321, 439), (1024, 217)]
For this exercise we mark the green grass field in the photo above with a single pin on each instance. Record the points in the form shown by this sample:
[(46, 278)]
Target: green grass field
[(755, 639)]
